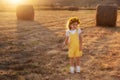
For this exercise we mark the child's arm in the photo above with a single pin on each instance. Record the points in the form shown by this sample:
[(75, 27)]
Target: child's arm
[(66, 41), (80, 41)]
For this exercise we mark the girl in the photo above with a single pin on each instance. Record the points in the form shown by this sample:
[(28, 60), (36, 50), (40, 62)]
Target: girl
[(74, 42)]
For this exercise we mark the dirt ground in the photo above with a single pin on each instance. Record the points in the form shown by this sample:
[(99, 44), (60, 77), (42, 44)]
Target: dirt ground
[(30, 50)]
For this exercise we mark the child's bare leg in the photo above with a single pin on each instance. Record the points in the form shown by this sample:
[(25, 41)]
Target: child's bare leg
[(71, 61), (77, 64), (77, 61), (71, 65)]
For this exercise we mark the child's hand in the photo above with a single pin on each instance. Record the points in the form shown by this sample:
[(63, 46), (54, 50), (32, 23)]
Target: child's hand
[(64, 47)]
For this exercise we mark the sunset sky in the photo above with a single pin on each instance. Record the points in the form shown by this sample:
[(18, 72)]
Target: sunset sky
[(23, 1), (16, 1), (12, 4)]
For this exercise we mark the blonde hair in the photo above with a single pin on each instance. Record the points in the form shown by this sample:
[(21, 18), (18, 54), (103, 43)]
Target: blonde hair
[(72, 20)]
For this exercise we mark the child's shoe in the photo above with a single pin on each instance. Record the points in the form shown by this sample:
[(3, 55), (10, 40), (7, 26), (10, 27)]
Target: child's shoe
[(72, 69), (78, 69)]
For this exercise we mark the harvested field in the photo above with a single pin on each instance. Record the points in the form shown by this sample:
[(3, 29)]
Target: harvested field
[(31, 50)]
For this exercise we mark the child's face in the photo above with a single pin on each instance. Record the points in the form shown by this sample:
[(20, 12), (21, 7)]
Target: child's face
[(74, 25)]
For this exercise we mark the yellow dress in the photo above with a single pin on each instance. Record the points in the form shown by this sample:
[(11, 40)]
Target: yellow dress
[(74, 45)]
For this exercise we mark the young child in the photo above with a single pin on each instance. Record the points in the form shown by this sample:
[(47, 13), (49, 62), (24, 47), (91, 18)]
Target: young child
[(74, 42)]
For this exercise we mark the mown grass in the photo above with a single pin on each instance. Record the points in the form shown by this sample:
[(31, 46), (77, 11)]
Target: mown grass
[(32, 50)]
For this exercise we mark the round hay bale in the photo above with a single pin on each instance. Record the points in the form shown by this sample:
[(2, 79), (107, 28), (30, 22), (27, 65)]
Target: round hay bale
[(25, 12), (106, 15)]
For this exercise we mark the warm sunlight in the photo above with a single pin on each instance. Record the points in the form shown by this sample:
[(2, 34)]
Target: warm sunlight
[(15, 2)]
